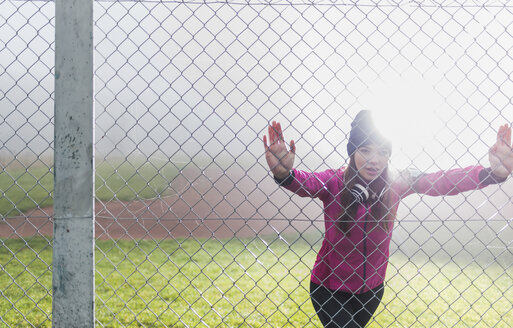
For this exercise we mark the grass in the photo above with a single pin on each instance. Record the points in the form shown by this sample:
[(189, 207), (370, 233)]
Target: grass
[(133, 180), (244, 283), (25, 189), (225, 283)]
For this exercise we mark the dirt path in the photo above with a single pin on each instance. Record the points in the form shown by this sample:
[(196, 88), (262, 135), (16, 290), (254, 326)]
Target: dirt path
[(199, 203)]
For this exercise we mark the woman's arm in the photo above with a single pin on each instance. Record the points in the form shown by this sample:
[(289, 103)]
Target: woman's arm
[(501, 154), (281, 161), (308, 184), (454, 181)]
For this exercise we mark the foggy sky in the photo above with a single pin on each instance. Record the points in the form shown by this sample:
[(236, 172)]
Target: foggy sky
[(209, 78)]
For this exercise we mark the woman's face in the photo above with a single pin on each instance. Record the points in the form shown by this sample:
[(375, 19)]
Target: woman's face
[(370, 161)]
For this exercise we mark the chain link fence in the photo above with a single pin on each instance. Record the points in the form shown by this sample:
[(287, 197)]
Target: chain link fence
[(191, 229), (26, 170)]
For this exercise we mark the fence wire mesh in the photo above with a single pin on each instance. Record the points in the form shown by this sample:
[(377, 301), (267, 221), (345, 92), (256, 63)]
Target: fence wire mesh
[(191, 229), (26, 176)]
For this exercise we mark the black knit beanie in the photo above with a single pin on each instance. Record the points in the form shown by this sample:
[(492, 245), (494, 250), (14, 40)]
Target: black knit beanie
[(363, 132)]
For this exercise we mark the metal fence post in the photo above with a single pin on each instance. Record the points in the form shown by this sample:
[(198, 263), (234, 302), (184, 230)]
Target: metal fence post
[(73, 252)]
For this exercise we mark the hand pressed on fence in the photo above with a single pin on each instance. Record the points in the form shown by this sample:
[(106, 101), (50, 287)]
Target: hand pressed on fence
[(360, 205)]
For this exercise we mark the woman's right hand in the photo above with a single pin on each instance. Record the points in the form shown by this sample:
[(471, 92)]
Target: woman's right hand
[(279, 159)]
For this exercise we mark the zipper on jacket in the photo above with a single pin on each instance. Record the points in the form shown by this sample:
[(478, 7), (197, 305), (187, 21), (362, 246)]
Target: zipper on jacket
[(365, 249)]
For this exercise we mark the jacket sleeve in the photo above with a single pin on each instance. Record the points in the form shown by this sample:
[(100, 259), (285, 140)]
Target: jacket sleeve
[(450, 182), (306, 184)]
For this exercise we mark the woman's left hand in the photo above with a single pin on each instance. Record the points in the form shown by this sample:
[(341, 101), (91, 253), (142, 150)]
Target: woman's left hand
[(501, 154)]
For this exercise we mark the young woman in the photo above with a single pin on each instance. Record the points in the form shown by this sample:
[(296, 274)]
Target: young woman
[(360, 204)]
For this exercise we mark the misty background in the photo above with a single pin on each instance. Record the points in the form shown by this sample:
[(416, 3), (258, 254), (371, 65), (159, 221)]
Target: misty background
[(197, 85)]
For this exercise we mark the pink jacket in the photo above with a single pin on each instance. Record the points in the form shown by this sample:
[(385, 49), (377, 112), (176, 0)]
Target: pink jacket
[(358, 262)]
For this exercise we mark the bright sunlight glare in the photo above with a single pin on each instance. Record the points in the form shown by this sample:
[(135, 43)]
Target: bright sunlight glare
[(406, 110)]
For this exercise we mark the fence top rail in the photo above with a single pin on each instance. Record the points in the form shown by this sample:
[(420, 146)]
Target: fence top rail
[(336, 3)]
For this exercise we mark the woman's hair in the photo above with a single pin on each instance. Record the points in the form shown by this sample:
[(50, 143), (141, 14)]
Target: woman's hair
[(380, 211)]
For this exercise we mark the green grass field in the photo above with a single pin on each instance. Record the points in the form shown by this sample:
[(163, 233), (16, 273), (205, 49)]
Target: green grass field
[(25, 189), (246, 283), (225, 283)]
